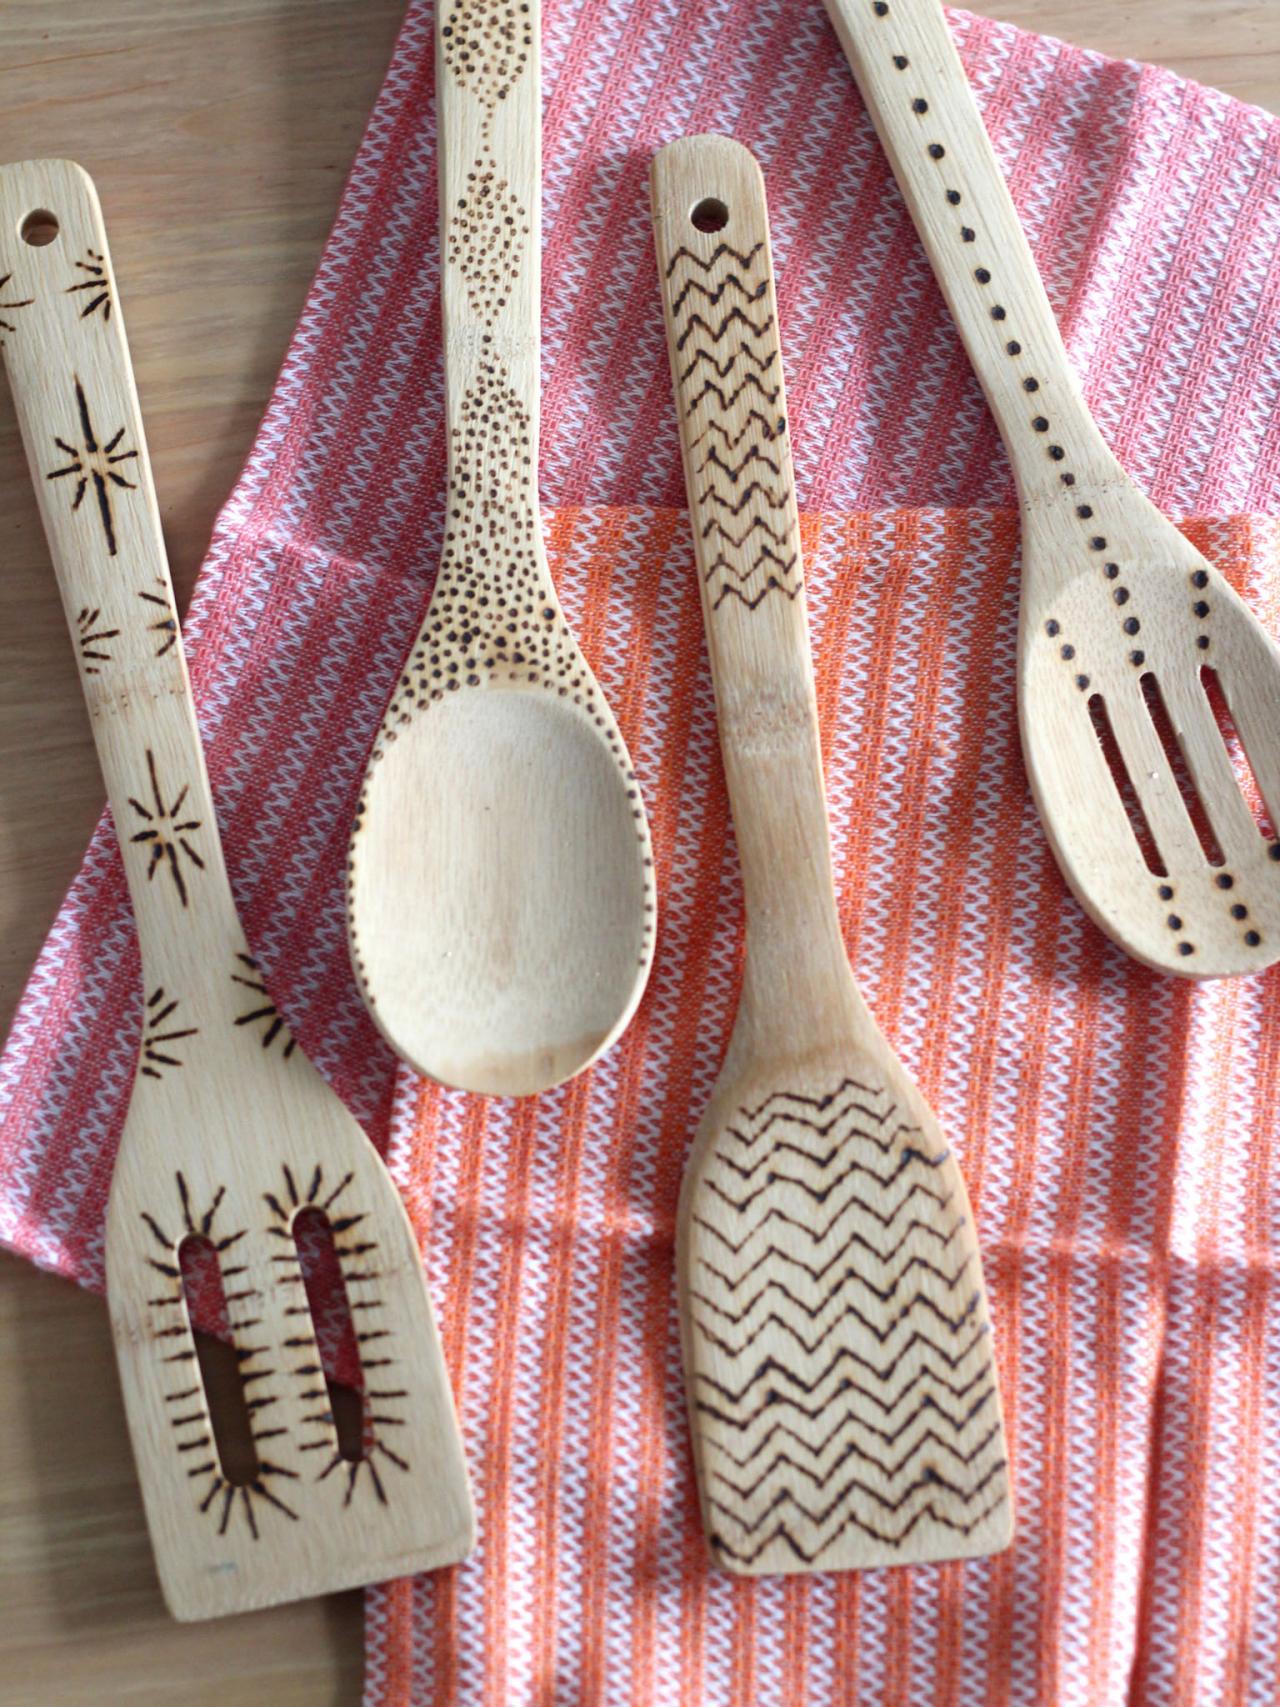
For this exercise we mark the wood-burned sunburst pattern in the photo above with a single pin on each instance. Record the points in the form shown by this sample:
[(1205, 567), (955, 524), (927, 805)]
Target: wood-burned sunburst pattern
[(842, 1376), (384, 1395), (729, 390), (187, 1407)]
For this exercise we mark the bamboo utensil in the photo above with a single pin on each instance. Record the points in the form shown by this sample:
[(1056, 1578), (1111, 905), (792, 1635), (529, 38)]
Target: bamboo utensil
[(501, 893), (254, 1494), (1140, 670), (841, 1385)]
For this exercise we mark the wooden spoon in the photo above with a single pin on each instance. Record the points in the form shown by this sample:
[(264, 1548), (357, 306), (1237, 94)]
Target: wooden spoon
[(1140, 670), (841, 1384), (232, 1140), (501, 895)]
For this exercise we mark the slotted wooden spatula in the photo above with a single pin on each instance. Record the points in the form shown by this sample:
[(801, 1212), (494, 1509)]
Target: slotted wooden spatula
[(231, 1135), (1140, 670), (838, 1355)]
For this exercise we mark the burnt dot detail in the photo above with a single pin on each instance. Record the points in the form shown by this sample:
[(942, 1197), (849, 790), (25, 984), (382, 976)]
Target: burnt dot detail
[(1273, 852), (1200, 608), (1137, 657), (1225, 880), (1040, 424), (1082, 682), (1121, 595), (953, 196), (919, 105), (1252, 938), (1200, 579), (1031, 384), (1068, 651), (1131, 625), (487, 47), (1053, 626), (1013, 348), (982, 275), (1166, 892), (1174, 922), (1203, 642), (1084, 511), (967, 234), (901, 61), (937, 151), (1239, 912), (487, 238), (1067, 479), (1097, 543), (1186, 948), (998, 313), (1056, 453), (1111, 570)]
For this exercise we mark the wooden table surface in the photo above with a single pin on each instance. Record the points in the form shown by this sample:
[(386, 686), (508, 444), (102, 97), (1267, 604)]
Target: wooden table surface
[(219, 132)]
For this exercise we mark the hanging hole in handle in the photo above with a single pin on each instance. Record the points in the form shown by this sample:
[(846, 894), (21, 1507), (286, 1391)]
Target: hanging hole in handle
[(710, 214), (39, 228)]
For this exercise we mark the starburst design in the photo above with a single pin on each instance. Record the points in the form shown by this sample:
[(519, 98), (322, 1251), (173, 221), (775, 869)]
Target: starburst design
[(97, 286), (157, 1041), (93, 640), (8, 325), (166, 832), (189, 1415), (94, 463), (165, 627), (265, 1010), (381, 1399)]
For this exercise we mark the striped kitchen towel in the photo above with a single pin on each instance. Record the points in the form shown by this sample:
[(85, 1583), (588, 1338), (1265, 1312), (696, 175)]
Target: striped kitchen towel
[(1115, 1127)]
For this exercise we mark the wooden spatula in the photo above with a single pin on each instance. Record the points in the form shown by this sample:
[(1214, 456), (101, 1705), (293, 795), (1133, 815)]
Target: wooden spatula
[(1141, 673), (232, 1139), (501, 898), (838, 1355)]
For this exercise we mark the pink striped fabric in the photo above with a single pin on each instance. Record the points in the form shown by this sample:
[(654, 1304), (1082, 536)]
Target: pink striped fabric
[(1115, 1128)]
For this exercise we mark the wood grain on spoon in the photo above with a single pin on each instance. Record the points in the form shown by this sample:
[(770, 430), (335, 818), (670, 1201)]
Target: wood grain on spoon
[(841, 1385), (501, 894)]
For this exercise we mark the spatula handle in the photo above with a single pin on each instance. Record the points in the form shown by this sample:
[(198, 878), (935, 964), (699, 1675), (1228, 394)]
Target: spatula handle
[(68, 364), (924, 111), (712, 232)]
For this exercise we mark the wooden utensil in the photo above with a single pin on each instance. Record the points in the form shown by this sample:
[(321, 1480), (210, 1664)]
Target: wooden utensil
[(501, 894), (837, 1349), (233, 1141), (1140, 671)]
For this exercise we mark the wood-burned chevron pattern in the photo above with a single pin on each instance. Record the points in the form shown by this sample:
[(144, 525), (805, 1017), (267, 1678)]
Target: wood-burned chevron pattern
[(841, 1364), (729, 391)]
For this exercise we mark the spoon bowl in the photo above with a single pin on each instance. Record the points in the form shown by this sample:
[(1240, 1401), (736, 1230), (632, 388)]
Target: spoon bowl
[(501, 880)]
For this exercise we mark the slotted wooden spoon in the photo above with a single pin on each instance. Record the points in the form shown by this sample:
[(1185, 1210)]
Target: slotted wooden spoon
[(231, 1134), (501, 896), (1122, 619), (841, 1384)]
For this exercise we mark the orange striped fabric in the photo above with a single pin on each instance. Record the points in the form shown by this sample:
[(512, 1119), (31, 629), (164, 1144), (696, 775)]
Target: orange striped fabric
[(1115, 1128)]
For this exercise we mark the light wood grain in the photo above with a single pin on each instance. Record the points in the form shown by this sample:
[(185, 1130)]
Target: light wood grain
[(838, 1357), (231, 1135), (1125, 628), (221, 135), (501, 896)]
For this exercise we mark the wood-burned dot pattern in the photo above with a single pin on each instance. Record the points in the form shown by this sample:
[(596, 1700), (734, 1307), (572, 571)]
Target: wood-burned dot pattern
[(487, 45), (492, 615), (488, 234)]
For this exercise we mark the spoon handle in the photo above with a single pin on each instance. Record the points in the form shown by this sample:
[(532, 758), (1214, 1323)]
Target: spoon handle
[(69, 371), (488, 87), (712, 233), (920, 102)]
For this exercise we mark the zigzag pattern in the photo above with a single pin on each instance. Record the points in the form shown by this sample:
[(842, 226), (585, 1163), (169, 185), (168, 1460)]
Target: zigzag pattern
[(840, 1356), (712, 296), (748, 578)]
